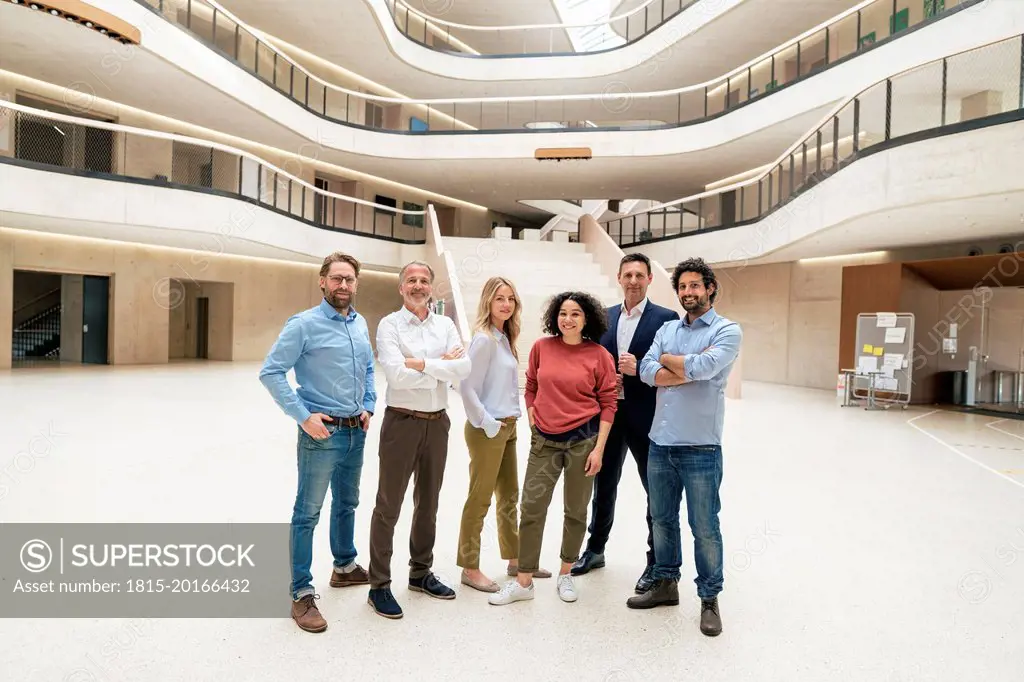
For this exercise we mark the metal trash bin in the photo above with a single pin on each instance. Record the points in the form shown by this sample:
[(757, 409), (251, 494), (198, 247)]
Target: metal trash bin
[(959, 387)]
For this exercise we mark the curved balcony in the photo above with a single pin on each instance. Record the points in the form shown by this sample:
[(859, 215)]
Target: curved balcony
[(54, 142), (860, 30), (970, 90), (600, 30)]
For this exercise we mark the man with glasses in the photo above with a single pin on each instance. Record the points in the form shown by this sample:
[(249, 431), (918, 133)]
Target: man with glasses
[(329, 348)]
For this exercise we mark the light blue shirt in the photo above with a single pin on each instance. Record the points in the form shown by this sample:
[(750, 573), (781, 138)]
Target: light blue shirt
[(333, 362), (491, 391), (693, 413)]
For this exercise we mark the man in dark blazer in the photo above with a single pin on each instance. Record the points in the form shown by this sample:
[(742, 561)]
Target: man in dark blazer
[(631, 329)]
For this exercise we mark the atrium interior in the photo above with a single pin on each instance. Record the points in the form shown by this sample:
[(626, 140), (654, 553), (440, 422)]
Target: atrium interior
[(173, 174)]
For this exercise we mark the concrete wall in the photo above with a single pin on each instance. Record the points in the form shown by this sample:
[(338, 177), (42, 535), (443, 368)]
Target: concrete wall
[(790, 314), (250, 298), (72, 299)]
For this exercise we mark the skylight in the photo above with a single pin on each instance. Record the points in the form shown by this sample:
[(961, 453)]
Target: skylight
[(589, 38)]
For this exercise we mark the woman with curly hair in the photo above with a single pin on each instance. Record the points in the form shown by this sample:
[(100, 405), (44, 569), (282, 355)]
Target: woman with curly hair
[(571, 398), (490, 395)]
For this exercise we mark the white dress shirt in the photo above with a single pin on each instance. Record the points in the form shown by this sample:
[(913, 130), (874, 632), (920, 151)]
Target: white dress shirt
[(628, 322), (402, 335), (491, 391), (627, 326)]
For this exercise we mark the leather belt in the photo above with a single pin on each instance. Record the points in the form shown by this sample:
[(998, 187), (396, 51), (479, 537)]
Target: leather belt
[(417, 413), (352, 422)]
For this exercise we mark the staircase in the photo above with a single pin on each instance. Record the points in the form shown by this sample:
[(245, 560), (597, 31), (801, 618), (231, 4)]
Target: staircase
[(539, 270), (38, 336)]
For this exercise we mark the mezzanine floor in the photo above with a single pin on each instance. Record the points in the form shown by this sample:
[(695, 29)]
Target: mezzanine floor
[(874, 546)]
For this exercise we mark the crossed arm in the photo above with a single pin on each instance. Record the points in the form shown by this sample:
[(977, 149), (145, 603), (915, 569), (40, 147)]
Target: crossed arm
[(411, 373), (665, 369)]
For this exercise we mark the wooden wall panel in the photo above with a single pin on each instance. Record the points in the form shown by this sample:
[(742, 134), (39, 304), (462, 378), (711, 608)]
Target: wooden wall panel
[(866, 289)]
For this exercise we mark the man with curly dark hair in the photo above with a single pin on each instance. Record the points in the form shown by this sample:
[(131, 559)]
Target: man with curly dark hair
[(689, 361), (571, 398)]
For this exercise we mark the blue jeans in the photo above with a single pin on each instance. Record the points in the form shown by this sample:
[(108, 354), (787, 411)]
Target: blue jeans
[(695, 470), (336, 461)]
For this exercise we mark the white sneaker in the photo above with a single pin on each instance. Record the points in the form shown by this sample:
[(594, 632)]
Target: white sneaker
[(510, 592), (566, 588)]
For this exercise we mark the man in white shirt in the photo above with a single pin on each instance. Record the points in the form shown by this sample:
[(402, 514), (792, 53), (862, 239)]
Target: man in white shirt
[(420, 353)]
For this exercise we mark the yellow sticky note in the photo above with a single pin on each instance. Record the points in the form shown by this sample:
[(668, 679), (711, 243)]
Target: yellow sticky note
[(879, 350), (868, 348)]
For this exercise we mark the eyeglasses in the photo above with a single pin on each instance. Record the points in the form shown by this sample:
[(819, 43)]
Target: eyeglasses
[(337, 280)]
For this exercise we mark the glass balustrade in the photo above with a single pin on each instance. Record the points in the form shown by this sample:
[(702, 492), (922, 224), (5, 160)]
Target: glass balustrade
[(66, 144), (984, 86), (849, 34), (587, 28)]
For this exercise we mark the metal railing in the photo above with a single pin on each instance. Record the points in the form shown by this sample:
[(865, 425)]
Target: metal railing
[(977, 87), (108, 150), (39, 336), (870, 23), (439, 34)]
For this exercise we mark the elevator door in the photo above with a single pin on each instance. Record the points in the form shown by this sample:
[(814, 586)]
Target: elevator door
[(203, 328), (95, 313)]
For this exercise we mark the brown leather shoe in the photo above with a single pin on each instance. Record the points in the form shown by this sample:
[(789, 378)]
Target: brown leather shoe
[(307, 615), (357, 576), (664, 592), (710, 620)]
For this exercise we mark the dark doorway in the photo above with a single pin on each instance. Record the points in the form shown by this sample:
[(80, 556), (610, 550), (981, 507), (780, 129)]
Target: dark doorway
[(37, 317), (95, 315), (203, 328)]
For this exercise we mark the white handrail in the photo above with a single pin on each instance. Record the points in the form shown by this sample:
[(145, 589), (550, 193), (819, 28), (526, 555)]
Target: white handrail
[(468, 27), (536, 98), (803, 138), (174, 137)]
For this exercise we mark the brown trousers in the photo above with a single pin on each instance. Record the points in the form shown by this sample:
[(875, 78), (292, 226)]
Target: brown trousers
[(548, 459), (408, 446), (493, 471)]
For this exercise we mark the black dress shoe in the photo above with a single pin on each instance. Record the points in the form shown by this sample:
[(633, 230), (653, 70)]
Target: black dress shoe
[(664, 592), (587, 562), (710, 621), (429, 584), (646, 581)]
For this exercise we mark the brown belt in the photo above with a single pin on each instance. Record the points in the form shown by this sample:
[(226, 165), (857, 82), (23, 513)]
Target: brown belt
[(417, 413), (352, 422)]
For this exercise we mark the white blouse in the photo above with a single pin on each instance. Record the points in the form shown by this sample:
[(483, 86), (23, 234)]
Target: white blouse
[(491, 391)]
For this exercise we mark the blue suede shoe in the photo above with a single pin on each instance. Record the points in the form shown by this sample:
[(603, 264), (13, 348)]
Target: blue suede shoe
[(384, 603), (429, 584)]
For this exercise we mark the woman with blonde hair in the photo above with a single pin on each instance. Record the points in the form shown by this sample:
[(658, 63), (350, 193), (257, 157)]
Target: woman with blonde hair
[(490, 395)]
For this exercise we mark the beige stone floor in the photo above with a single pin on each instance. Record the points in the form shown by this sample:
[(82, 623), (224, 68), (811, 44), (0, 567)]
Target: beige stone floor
[(874, 546)]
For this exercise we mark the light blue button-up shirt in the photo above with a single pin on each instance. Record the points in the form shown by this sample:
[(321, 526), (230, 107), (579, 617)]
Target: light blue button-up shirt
[(693, 413), (333, 362), (491, 391)]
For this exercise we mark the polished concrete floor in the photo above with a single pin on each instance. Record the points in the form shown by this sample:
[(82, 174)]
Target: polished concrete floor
[(874, 546)]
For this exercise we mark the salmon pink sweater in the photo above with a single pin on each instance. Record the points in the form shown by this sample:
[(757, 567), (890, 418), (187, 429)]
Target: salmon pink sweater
[(570, 384)]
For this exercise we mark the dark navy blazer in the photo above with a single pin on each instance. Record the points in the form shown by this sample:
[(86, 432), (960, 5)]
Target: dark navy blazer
[(638, 406)]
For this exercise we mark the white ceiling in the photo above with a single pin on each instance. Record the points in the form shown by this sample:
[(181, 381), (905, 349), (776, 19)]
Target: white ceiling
[(141, 234), (976, 218), (744, 33), (493, 13), (83, 59)]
